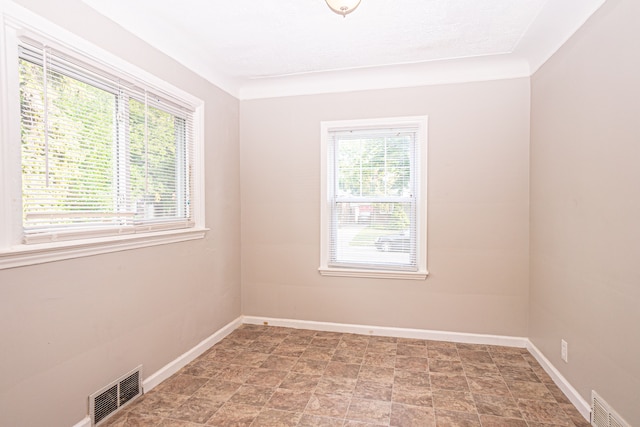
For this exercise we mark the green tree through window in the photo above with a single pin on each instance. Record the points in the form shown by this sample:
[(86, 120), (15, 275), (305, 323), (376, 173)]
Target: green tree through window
[(96, 153)]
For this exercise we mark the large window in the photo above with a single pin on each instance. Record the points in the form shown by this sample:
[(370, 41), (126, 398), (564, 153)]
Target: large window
[(374, 198), (98, 155)]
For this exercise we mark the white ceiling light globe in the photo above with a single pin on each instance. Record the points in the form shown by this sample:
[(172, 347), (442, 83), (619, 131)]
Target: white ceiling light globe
[(343, 7)]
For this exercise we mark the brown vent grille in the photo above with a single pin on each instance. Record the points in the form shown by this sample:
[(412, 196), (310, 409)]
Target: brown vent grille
[(109, 399)]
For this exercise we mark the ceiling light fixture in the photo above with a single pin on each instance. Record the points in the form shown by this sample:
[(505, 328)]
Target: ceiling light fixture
[(343, 7)]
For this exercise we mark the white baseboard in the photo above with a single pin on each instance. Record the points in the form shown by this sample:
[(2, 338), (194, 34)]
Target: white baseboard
[(521, 342), (86, 422), (459, 337), (572, 394), (180, 362), (422, 334), (174, 366)]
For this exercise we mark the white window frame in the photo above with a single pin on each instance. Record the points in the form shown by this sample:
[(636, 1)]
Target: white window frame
[(17, 21), (326, 127)]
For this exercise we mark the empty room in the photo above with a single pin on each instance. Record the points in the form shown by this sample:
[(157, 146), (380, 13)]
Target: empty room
[(319, 213)]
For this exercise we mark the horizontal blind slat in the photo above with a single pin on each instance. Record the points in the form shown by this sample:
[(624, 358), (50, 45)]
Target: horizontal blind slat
[(373, 209), (81, 167)]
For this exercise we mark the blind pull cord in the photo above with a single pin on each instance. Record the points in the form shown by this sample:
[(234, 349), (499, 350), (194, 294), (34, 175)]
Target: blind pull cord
[(45, 82)]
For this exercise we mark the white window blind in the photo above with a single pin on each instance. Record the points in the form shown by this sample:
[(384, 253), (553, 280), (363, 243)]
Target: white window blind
[(373, 198), (100, 155)]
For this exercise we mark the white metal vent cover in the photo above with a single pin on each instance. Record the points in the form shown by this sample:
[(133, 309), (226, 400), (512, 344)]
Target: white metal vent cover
[(602, 415), (115, 395)]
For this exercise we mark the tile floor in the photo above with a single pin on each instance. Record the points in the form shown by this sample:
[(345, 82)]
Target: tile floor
[(262, 376)]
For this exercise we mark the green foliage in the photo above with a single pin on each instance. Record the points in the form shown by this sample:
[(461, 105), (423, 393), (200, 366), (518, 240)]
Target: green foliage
[(377, 166), (400, 220), (391, 216), (76, 167), (153, 159), (72, 169)]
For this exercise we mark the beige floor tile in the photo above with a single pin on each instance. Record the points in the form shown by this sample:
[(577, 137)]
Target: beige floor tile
[(543, 412), (353, 423), (289, 400), (134, 420), (280, 363), (266, 377), (481, 369), (470, 356), (449, 381), (411, 350), (380, 359), (336, 385), (348, 356), (310, 366), (263, 376), (530, 390), (318, 353), (342, 370), (235, 373), (167, 422), (502, 406), (518, 373), (289, 350), (411, 378), (412, 341), (446, 366), (378, 374), (471, 347), (317, 421), (218, 390), (382, 347), (300, 382), (252, 395), (411, 416), (574, 415), (328, 405), (414, 396), (277, 418), (494, 385), (182, 384), (370, 411), (158, 403), (494, 421), (510, 359), (443, 353), (329, 342), (196, 410), (234, 415), (373, 390), (446, 418), (410, 363), (453, 401)]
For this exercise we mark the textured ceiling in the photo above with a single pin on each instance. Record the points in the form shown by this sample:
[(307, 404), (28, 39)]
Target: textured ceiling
[(241, 41)]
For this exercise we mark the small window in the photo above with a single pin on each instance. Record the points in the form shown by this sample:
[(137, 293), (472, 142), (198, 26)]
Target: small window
[(101, 158), (374, 198)]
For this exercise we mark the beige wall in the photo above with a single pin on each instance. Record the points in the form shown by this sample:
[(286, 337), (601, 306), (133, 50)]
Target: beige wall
[(585, 207), (67, 328), (477, 213)]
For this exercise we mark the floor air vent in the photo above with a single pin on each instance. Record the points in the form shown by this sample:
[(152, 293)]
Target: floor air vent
[(602, 415), (106, 401)]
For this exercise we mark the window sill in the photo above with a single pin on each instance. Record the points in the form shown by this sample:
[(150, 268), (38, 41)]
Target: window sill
[(23, 255), (373, 274)]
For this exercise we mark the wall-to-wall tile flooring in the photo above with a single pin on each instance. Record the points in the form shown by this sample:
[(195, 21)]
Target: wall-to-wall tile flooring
[(262, 376)]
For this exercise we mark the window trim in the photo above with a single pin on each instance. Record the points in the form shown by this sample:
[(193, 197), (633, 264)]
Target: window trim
[(16, 21), (421, 189)]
